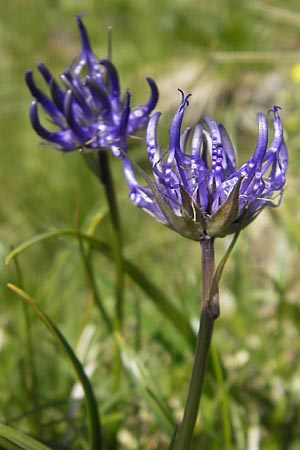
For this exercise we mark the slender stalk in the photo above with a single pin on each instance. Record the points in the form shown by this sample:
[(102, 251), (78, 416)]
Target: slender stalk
[(209, 312), (106, 179)]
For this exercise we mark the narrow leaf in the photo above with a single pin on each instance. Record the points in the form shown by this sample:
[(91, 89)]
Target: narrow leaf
[(157, 295), (20, 439), (91, 404)]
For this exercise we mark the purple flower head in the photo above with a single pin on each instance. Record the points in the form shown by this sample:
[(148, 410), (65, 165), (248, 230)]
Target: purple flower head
[(197, 189), (86, 110)]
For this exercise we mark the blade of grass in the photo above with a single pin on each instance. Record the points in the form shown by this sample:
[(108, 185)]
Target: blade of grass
[(146, 384), (20, 439), (158, 297), (90, 277), (225, 411), (30, 373), (91, 404)]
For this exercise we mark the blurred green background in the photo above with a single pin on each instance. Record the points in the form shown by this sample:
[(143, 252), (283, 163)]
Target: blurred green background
[(237, 58)]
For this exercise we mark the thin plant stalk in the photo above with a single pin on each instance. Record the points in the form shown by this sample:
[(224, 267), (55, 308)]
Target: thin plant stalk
[(209, 312), (107, 180)]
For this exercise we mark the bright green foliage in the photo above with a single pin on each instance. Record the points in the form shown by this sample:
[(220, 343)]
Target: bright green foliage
[(238, 58)]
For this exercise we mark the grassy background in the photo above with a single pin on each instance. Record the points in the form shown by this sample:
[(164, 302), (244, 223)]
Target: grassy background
[(237, 58)]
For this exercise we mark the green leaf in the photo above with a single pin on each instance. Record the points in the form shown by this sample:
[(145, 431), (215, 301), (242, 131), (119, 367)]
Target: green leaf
[(91, 404), (157, 295), (20, 439)]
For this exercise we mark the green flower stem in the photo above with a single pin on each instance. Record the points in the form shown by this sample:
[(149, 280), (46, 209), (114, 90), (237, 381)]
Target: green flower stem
[(209, 312), (106, 179)]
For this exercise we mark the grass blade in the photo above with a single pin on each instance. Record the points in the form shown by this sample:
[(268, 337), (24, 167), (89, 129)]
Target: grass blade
[(91, 404), (158, 297), (20, 439)]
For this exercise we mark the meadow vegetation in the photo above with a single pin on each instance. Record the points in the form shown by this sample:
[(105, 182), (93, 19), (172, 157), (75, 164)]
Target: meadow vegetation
[(236, 58)]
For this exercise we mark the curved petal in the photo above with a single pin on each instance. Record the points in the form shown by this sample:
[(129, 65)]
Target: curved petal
[(61, 139), (113, 77), (153, 99), (229, 155), (196, 143), (151, 138), (217, 154), (262, 140), (175, 129), (46, 103), (75, 127), (100, 96), (57, 95), (78, 95), (124, 122), (45, 72), (85, 42)]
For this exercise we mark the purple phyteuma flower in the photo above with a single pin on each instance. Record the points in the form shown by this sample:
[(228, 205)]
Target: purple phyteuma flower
[(87, 109), (197, 189)]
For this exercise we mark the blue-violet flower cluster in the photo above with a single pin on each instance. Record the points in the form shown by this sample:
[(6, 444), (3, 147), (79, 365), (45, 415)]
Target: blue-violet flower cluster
[(87, 112), (200, 193)]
